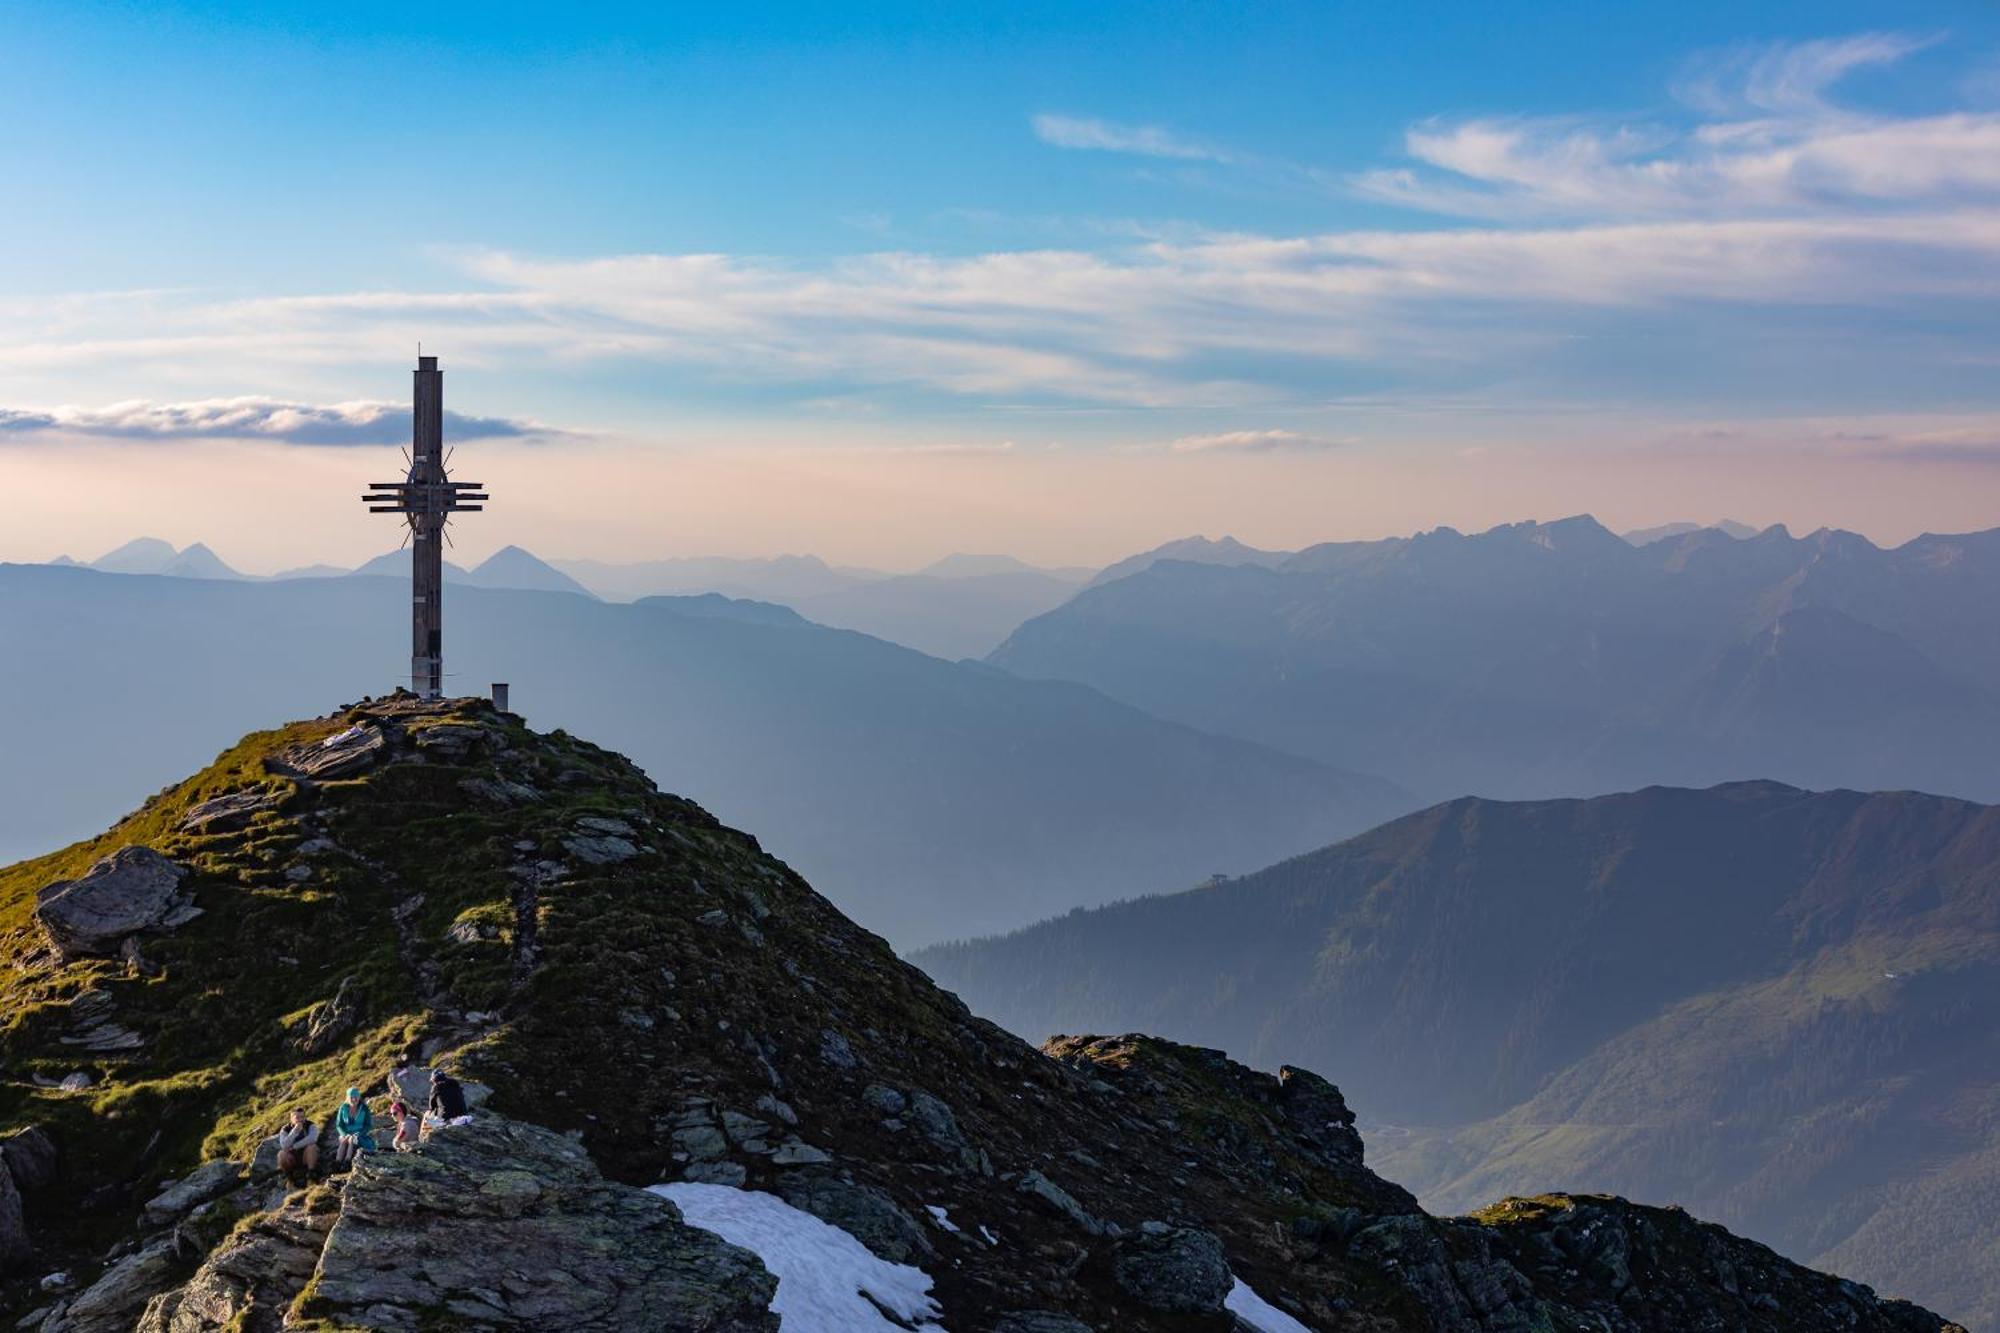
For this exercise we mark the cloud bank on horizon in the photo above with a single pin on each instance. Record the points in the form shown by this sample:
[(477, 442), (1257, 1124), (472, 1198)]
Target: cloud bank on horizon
[(267, 419), (1801, 214)]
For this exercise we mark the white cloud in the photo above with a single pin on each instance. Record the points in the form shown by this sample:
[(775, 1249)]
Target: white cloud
[(1256, 442), (356, 423), (1773, 144), (1780, 200), (1142, 140)]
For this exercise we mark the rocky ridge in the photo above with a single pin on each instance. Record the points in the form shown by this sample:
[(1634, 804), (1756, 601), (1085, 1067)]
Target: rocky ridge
[(651, 998)]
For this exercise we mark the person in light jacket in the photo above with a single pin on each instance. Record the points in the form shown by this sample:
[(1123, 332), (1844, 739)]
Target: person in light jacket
[(353, 1127)]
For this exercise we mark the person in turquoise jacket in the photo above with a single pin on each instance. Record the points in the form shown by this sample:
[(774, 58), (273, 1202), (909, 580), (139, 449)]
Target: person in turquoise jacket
[(353, 1127)]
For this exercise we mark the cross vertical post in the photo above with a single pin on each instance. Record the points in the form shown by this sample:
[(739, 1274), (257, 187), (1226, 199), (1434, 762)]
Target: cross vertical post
[(427, 498)]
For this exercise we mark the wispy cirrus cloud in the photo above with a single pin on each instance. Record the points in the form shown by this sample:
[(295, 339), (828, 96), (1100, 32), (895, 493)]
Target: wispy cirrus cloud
[(268, 419), (1270, 441), (1769, 141), (1083, 132), (1777, 201)]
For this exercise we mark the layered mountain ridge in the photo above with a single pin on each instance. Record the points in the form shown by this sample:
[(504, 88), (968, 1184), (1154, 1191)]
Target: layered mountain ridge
[(647, 999), (928, 798), (1770, 1004), (1546, 659)]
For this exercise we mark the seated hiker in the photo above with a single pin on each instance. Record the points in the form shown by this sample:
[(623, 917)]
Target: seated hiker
[(447, 1103), (354, 1126), (405, 1121), (298, 1143)]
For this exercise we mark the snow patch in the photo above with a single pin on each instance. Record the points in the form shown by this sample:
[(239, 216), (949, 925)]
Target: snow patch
[(1257, 1312), (822, 1271), (991, 1239), (941, 1217)]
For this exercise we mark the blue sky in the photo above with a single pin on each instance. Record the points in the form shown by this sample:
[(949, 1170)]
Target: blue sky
[(1369, 239)]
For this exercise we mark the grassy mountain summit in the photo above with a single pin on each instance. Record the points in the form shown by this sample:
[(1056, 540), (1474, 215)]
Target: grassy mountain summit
[(1773, 1005), (651, 998)]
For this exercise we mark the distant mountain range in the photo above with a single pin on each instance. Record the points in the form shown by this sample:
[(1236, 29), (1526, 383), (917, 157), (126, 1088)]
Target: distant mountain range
[(1774, 1006), (960, 606), (1558, 658), (930, 798)]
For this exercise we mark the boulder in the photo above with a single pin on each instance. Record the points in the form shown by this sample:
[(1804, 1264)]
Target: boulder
[(211, 1180), (226, 813), (341, 755), (134, 889), (14, 1245), (1038, 1186), (30, 1155), (114, 1302), (863, 1212), (600, 849), (502, 1225), (1178, 1269)]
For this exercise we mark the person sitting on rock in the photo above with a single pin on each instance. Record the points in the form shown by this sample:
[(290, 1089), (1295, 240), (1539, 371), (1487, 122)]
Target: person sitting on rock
[(447, 1104), (405, 1121), (354, 1123), (298, 1143)]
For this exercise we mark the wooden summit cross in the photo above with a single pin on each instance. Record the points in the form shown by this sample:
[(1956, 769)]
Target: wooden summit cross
[(427, 499)]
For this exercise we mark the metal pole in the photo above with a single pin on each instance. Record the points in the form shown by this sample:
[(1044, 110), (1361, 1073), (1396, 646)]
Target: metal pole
[(427, 528)]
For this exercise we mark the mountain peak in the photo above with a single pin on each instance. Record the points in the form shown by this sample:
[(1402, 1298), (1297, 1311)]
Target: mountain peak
[(637, 994)]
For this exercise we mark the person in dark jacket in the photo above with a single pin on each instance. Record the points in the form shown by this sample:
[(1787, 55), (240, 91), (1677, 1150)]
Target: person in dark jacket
[(447, 1101)]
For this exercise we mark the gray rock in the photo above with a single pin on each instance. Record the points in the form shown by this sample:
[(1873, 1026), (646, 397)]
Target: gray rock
[(113, 1303), (248, 1282), (226, 813), (862, 1211), (511, 1227), (264, 1162), (1039, 1186), (934, 1119), (1178, 1269), (15, 1247), (732, 1174), (600, 849), (743, 1128), (77, 1082), (616, 828), (30, 1155), (211, 1180), (701, 1141), (836, 1050), (132, 890), (771, 1106), (338, 756), (1040, 1321), (884, 1100), (794, 1152)]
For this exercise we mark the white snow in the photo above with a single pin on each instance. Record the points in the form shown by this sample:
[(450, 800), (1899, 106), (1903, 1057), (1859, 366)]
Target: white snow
[(991, 1239), (1255, 1311), (821, 1270), (941, 1217)]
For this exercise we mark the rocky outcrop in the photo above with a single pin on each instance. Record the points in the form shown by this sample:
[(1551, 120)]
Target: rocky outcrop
[(226, 813), (1177, 1269), (132, 890), (114, 1303), (250, 1281), (502, 1225), (211, 1180), (693, 1011)]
